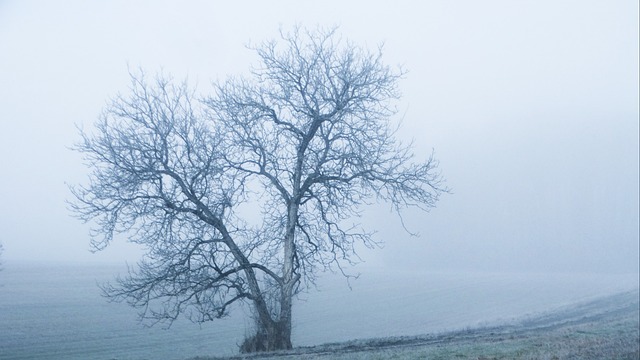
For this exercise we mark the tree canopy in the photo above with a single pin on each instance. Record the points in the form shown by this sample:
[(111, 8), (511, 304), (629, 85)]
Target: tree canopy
[(245, 194)]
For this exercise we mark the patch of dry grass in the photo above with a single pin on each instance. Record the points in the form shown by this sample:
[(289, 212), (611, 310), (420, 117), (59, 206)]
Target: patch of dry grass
[(608, 328)]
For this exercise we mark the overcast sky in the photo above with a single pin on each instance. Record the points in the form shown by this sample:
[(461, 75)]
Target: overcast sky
[(531, 108)]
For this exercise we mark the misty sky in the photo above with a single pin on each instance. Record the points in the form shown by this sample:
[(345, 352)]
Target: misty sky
[(530, 106)]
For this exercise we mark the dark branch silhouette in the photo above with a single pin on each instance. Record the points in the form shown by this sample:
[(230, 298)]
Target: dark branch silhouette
[(244, 195)]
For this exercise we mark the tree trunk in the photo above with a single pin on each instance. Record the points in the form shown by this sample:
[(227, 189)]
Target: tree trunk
[(269, 336), (289, 279), (284, 324), (276, 334)]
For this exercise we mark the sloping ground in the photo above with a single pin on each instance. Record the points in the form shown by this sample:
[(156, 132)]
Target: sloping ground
[(606, 328)]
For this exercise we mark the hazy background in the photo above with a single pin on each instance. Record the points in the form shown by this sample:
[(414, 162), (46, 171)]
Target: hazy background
[(531, 108)]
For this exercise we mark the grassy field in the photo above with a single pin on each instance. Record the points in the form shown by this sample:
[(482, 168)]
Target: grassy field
[(607, 328), (56, 311)]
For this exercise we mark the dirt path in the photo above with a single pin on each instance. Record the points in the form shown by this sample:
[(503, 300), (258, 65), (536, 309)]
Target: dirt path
[(606, 328)]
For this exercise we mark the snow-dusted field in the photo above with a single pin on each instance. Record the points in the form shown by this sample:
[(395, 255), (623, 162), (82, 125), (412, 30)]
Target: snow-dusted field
[(57, 311)]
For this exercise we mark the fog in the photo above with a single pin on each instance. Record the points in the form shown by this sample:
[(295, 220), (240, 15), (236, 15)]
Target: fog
[(531, 107)]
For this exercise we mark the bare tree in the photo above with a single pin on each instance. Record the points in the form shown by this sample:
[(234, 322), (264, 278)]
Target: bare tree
[(245, 195)]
